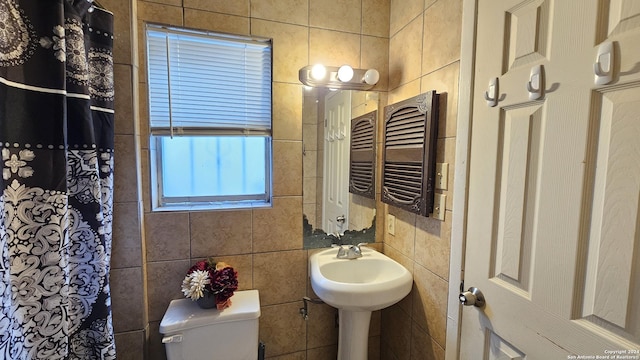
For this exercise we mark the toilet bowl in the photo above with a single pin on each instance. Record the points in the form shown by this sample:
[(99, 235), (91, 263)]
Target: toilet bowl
[(192, 333)]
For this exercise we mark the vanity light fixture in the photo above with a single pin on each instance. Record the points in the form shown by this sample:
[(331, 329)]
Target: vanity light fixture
[(340, 78)]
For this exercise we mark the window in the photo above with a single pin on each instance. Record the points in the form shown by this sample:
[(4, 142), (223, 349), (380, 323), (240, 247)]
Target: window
[(210, 119)]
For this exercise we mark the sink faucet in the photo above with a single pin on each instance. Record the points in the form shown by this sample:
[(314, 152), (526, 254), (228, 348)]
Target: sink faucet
[(352, 252)]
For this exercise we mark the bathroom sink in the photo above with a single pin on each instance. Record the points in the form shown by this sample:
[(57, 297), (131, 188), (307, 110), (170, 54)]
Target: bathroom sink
[(368, 283)]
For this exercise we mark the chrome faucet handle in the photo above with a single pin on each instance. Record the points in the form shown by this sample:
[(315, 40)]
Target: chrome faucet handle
[(342, 252), (353, 252), (356, 251)]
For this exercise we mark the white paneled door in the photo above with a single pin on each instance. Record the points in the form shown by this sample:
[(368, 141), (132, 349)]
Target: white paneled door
[(553, 224), (337, 136)]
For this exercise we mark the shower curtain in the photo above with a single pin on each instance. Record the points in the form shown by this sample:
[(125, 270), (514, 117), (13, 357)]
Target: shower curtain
[(56, 142)]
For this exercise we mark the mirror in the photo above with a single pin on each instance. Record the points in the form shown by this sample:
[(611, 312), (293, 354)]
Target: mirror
[(332, 214)]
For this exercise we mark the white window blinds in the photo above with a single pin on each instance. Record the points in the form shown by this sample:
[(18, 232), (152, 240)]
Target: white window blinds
[(208, 81)]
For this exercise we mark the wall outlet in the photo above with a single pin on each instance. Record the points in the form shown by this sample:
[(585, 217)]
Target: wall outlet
[(391, 224), (442, 175), (439, 203)]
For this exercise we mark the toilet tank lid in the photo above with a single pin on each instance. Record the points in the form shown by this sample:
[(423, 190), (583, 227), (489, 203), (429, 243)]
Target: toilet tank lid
[(185, 314)]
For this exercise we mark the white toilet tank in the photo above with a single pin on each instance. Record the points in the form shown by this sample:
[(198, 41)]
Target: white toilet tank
[(192, 333)]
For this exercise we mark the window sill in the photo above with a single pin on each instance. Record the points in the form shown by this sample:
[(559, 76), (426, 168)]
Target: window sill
[(231, 205)]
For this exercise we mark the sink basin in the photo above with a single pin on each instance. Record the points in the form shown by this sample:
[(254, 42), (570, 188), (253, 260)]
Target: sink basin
[(369, 283)]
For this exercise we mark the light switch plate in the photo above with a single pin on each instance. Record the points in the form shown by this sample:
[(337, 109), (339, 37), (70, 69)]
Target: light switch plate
[(391, 224), (439, 202), (442, 175)]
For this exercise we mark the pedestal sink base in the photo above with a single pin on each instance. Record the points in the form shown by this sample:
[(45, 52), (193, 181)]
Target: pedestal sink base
[(354, 334), (356, 287)]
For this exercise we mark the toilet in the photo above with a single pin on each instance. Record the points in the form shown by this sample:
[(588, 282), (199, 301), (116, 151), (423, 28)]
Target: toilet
[(192, 333)]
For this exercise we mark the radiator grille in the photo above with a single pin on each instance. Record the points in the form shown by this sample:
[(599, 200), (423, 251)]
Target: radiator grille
[(363, 155), (409, 153)]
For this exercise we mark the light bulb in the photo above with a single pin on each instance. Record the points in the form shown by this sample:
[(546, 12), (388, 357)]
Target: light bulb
[(318, 71), (345, 73), (371, 77)]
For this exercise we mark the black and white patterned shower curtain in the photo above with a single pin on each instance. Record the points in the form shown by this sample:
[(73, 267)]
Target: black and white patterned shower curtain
[(56, 140)]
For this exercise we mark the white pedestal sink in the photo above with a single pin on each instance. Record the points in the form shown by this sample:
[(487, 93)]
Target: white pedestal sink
[(357, 287)]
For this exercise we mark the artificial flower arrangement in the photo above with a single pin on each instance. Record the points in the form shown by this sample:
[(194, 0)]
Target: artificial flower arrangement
[(210, 284)]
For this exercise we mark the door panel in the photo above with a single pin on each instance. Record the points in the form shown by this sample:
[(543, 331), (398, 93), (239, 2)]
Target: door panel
[(612, 289), (499, 349), (336, 161), (518, 169), (624, 16), (527, 26), (553, 224)]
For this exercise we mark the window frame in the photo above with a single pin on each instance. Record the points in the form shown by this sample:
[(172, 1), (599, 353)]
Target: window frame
[(159, 202)]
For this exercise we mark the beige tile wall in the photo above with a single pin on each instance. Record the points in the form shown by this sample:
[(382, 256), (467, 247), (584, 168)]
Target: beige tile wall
[(264, 245), (126, 278), (424, 54), (415, 45)]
